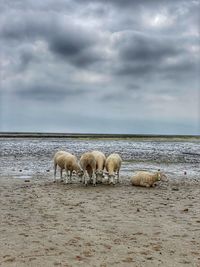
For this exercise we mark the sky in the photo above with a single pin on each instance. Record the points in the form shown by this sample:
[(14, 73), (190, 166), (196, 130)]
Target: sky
[(97, 66)]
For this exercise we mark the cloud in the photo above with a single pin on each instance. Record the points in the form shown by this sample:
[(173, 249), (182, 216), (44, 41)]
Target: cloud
[(139, 47), (75, 44), (121, 60), (48, 92)]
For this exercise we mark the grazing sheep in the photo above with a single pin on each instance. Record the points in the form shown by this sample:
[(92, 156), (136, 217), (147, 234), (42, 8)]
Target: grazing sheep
[(88, 164), (55, 159), (67, 161), (100, 164), (113, 165), (148, 179)]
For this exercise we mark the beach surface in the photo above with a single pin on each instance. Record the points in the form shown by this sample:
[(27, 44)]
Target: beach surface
[(48, 224), (55, 224)]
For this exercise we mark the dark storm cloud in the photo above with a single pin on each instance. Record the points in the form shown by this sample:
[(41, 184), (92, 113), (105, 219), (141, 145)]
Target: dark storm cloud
[(74, 45), (141, 54), (70, 42), (139, 47)]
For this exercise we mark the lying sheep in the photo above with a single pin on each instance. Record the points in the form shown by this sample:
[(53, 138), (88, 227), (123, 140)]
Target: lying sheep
[(148, 179), (88, 164), (67, 161), (100, 164), (113, 165)]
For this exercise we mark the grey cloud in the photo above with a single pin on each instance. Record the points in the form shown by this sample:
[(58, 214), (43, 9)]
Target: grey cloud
[(26, 27), (128, 3), (26, 57), (138, 70), (132, 87), (140, 47), (69, 42), (48, 92), (75, 46), (142, 55), (103, 55)]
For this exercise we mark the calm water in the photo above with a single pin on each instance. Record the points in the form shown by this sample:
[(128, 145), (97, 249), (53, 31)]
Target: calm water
[(31, 156)]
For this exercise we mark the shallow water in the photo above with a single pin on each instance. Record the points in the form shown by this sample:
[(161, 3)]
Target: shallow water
[(31, 156)]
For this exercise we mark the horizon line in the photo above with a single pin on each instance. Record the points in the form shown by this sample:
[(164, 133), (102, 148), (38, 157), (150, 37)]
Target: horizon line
[(95, 135)]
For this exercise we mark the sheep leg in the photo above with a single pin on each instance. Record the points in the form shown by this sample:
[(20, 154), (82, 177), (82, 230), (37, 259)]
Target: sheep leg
[(61, 170), (89, 175), (55, 167), (145, 184), (85, 177), (70, 177), (118, 177), (67, 175), (94, 178)]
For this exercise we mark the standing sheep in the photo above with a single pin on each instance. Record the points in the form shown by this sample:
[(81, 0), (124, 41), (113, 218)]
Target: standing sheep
[(55, 160), (100, 164), (88, 164), (67, 161), (147, 179), (113, 165)]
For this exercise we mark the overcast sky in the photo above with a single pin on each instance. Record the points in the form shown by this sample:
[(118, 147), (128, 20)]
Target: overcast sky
[(119, 66)]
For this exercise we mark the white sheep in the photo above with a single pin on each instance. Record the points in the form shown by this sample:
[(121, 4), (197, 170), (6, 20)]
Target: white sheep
[(88, 164), (100, 164), (67, 161), (147, 179), (55, 158), (113, 165)]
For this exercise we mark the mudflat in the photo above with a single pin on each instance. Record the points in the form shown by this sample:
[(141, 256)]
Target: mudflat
[(53, 224)]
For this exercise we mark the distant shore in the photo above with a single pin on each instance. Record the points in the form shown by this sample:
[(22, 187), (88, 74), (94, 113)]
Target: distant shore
[(97, 136)]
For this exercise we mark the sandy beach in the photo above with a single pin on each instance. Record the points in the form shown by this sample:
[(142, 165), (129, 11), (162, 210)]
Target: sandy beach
[(54, 224), (48, 224)]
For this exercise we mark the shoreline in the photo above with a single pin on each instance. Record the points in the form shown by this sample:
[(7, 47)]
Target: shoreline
[(88, 136)]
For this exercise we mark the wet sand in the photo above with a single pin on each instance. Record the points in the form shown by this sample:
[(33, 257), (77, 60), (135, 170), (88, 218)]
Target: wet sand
[(48, 224)]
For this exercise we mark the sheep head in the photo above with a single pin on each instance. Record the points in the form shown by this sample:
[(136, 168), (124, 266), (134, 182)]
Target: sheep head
[(161, 177), (80, 173), (158, 176), (111, 178), (99, 174)]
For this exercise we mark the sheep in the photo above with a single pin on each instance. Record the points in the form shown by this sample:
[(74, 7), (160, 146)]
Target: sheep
[(147, 179), (113, 165), (100, 164), (67, 161), (55, 159), (88, 164)]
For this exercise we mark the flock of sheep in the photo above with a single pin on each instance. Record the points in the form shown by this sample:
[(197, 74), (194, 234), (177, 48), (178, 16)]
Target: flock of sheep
[(90, 169)]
